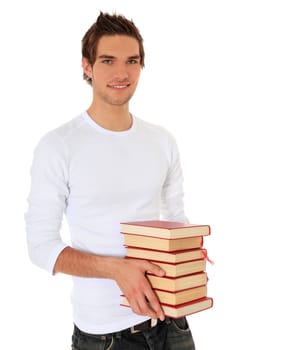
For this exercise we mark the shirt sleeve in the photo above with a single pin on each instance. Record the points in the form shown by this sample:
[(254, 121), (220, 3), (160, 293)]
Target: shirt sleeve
[(172, 204), (47, 201)]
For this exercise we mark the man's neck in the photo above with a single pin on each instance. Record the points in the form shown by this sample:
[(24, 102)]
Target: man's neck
[(115, 118)]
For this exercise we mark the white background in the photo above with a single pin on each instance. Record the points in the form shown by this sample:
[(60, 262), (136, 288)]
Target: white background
[(214, 78)]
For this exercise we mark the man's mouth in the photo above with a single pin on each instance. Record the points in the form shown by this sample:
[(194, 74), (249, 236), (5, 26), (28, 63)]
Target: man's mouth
[(119, 86)]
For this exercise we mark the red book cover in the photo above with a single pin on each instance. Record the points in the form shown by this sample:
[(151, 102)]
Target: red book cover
[(177, 298), (170, 257), (184, 309), (161, 243), (165, 229), (187, 308), (174, 284), (180, 268)]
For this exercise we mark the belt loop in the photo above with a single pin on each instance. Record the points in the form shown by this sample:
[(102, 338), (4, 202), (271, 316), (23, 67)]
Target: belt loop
[(168, 320), (118, 335)]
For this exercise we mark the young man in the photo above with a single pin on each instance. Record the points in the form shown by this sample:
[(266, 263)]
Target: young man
[(104, 167)]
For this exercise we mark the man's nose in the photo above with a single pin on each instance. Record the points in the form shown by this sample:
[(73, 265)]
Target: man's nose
[(121, 72)]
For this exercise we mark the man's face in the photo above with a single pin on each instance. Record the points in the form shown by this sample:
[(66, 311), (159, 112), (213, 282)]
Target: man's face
[(116, 71)]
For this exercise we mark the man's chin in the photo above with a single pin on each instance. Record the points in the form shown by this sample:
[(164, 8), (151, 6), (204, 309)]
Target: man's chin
[(119, 102)]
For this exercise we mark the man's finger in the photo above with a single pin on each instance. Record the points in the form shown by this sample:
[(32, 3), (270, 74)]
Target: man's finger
[(146, 308), (155, 306), (155, 270)]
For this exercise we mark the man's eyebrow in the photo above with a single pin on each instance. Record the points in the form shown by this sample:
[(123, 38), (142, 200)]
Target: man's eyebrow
[(134, 57)]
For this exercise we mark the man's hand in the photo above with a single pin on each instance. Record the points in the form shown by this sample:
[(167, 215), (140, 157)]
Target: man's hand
[(130, 276)]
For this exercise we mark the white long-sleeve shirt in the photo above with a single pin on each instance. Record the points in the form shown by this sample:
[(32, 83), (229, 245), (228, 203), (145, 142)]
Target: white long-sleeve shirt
[(100, 178)]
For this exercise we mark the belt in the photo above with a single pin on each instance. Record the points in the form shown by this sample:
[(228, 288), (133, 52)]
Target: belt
[(140, 327), (144, 326)]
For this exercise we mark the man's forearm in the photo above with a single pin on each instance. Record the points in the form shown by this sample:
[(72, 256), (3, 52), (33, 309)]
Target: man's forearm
[(77, 263)]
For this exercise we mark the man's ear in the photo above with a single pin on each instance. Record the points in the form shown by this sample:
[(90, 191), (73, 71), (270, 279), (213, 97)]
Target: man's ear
[(86, 67)]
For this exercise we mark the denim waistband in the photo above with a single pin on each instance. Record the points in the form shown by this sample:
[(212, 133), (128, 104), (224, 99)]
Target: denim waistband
[(135, 329)]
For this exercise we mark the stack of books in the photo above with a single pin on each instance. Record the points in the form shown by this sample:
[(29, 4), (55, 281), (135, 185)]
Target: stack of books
[(178, 249)]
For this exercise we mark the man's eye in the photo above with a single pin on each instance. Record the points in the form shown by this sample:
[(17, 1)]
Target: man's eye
[(107, 61), (133, 61)]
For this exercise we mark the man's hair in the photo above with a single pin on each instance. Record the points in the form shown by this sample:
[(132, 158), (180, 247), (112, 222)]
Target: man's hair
[(107, 25)]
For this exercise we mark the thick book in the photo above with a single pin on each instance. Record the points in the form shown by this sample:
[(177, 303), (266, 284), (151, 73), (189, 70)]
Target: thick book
[(181, 269), (176, 298), (164, 244), (182, 296), (174, 284), (170, 257), (183, 309), (187, 308), (165, 229)]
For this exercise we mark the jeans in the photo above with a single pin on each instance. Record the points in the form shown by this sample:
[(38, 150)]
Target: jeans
[(171, 334)]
